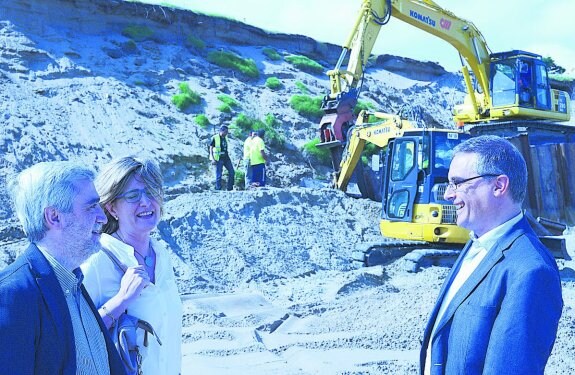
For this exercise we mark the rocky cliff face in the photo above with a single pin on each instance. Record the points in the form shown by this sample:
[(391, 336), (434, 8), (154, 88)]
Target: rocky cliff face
[(75, 86)]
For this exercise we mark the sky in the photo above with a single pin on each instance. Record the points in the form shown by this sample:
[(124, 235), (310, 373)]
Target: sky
[(538, 26)]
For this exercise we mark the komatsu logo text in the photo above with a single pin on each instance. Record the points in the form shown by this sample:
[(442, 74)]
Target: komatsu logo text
[(381, 131), (420, 17)]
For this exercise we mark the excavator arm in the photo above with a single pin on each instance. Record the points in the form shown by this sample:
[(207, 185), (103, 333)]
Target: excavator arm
[(423, 14), (462, 35), (371, 17), (386, 128)]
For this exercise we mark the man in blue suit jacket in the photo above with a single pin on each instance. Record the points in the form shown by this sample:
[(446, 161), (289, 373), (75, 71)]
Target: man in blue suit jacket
[(499, 308), (48, 323)]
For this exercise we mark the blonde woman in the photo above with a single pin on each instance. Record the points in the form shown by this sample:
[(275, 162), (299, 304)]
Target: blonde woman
[(131, 193)]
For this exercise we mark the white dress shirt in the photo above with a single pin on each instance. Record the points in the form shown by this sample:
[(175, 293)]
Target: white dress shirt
[(159, 304)]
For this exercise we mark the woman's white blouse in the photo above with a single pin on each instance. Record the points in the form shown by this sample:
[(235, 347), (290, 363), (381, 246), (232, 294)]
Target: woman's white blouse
[(159, 304)]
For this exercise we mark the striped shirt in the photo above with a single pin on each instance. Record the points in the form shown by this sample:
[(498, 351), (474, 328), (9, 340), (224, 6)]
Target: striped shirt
[(91, 352)]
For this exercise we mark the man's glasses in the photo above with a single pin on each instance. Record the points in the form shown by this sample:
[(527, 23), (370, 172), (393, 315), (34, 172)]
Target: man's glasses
[(133, 196), (454, 185)]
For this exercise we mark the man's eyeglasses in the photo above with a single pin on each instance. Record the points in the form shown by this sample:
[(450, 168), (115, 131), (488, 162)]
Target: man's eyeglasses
[(454, 185), (133, 196)]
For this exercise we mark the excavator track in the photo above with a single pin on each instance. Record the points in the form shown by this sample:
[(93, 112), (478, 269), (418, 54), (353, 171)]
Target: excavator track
[(416, 254)]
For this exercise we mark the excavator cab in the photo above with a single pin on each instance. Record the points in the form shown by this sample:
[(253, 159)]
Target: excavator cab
[(520, 87), (415, 169)]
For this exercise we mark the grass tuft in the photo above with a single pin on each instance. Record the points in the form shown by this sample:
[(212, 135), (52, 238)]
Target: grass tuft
[(305, 64), (138, 33), (230, 60), (273, 83), (307, 106), (271, 54), (186, 97), (310, 150), (202, 121)]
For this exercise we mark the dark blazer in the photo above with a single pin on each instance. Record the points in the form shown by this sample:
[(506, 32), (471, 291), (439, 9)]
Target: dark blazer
[(35, 325), (503, 320)]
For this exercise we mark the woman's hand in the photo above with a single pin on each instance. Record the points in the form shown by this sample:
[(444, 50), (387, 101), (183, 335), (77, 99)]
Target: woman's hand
[(133, 282)]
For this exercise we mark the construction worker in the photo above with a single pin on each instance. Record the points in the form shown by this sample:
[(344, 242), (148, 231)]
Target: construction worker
[(258, 159), (247, 152), (220, 158)]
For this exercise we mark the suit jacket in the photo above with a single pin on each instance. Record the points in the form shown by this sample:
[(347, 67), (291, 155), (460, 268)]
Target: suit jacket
[(35, 325), (503, 320)]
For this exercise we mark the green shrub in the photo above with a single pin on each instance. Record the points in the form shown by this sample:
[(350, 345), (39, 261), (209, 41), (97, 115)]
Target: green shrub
[(226, 99), (306, 106), (228, 103), (273, 83), (137, 32), (271, 54), (240, 178), (225, 108), (361, 105), (302, 87), (305, 64), (186, 97), (271, 126), (320, 154), (129, 46), (245, 123), (272, 122), (202, 121), (371, 149), (195, 42), (232, 61)]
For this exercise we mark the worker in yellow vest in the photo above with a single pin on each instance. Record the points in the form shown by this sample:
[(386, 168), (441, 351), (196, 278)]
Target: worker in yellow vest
[(220, 158), (247, 152), (258, 159)]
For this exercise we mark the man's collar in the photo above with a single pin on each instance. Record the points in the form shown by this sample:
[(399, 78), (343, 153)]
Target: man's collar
[(489, 239), (69, 280)]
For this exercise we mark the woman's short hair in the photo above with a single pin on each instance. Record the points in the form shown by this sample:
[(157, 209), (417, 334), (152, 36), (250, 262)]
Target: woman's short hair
[(113, 178)]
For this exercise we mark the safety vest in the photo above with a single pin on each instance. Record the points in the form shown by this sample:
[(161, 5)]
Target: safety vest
[(217, 147), (247, 147), (256, 147)]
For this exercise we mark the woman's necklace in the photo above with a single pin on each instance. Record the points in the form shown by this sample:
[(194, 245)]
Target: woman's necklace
[(148, 260)]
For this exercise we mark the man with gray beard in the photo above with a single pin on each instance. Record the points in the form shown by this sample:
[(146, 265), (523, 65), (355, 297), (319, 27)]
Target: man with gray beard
[(48, 323)]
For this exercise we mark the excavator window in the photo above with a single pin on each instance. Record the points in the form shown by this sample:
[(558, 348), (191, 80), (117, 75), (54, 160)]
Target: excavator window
[(503, 83), (402, 187), (542, 82), (403, 160), (444, 153), (524, 83), (398, 204)]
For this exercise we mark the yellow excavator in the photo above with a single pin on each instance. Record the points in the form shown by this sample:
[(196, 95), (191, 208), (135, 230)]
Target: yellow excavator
[(511, 94)]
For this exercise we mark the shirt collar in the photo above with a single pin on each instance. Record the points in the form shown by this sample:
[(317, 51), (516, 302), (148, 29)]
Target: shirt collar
[(70, 281), (489, 239)]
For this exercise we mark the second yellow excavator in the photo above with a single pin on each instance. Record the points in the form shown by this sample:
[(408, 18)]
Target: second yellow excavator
[(511, 96)]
